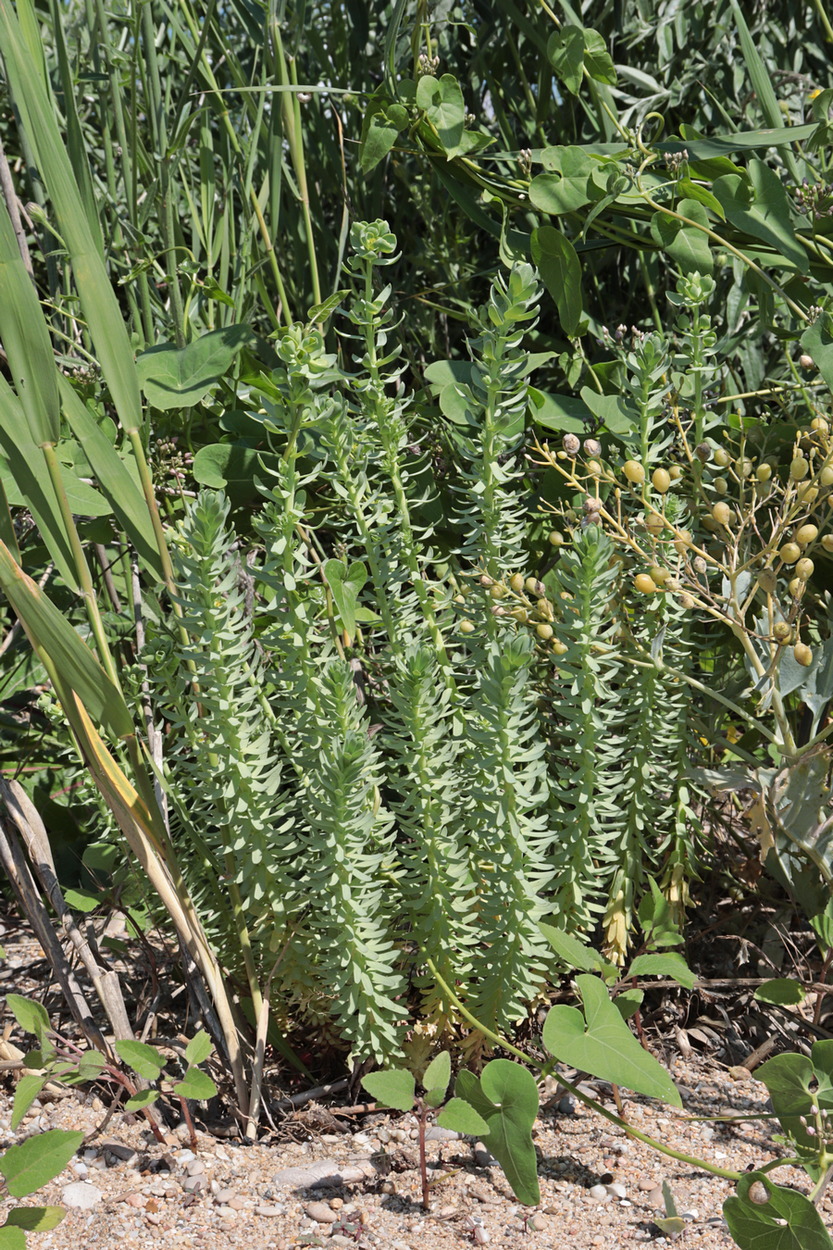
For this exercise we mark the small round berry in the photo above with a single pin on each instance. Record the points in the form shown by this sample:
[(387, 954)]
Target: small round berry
[(806, 534), (544, 631), (592, 447), (721, 457), (720, 485), (799, 468), (704, 452), (559, 647), (722, 513), (806, 361), (467, 627), (763, 472), (803, 654), (654, 524), (782, 632), (661, 480), (497, 591), (804, 569), (827, 542), (516, 583), (797, 587), (826, 475), (658, 575), (790, 552), (644, 583), (819, 425), (634, 472), (556, 538)]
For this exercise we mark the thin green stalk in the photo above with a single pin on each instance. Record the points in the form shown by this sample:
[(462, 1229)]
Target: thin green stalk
[(294, 135), (160, 135)]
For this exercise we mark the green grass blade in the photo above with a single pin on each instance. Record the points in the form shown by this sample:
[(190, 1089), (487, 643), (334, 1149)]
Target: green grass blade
[(114, 479), (52, 635), (98, 301), (36, 491), (761, 80), (26, 340)]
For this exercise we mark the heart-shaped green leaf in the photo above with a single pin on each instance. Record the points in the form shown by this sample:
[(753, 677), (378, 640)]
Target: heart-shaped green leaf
[(178, 377), (601, 1044), (785, 1220), (506, 1097)]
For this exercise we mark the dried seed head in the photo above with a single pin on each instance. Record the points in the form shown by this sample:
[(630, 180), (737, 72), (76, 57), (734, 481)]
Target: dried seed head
[(703, 452), (592, 447), (571, 444), (592, 504), (700, 565), (806, 361)]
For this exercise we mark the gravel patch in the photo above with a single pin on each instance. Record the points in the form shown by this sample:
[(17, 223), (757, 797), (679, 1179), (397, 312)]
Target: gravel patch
[(600, 1189)]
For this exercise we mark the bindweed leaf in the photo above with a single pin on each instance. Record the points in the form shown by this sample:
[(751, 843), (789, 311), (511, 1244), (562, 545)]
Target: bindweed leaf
[(601, 1044), (766, 1216), (506, 1097)]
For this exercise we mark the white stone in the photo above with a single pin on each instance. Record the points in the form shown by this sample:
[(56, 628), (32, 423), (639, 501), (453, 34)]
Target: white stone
[(81, 1194)]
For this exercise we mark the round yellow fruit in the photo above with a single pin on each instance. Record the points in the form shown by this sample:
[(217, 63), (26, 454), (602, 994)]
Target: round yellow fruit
[(799, 468), (790, 552), (661, 480), (806, 534), (722, 513), (721, 457), (804, 569), (634, 472), (803, 654), (763, 472), (644, 583)]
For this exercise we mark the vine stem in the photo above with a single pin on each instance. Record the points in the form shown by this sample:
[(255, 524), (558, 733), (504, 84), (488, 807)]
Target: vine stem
[(547, 1068)]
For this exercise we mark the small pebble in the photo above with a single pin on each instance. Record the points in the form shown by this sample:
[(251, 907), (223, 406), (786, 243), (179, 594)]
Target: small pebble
[(320, 1212), (194, 1184), (616, 1190), (227, 1213), (645, 1184), (195, 1167), (81, 1195), (269, 1212), (223, 1196), (598, 1193)]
